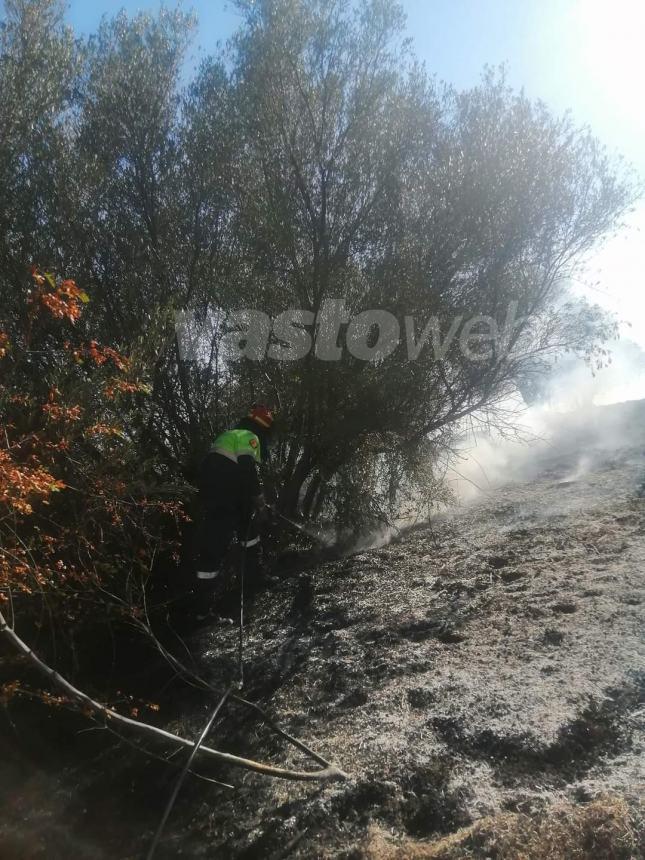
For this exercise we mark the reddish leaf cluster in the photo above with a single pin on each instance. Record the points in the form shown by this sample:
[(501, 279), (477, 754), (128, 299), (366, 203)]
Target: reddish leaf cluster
[(75, 524), (103, 430), (63, 300), (102, 354), (123, 386), (56, 412), (22, 485)]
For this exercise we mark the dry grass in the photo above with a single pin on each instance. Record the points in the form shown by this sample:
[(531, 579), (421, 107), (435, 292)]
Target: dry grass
[(605, 829)]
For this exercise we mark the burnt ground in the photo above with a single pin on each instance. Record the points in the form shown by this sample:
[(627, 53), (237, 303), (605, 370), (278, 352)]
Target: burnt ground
[(491, 661)]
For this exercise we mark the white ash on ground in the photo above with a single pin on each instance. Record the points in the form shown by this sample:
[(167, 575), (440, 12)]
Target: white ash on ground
[(491, 661)]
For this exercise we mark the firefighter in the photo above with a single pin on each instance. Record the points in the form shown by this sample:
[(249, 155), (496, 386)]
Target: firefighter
[(231, 499)]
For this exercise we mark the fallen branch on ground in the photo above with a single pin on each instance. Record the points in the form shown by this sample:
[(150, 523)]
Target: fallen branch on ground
[(200, 682), (94, 709)]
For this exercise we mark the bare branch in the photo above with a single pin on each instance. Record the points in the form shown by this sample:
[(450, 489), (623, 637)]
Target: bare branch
[(87, 704)]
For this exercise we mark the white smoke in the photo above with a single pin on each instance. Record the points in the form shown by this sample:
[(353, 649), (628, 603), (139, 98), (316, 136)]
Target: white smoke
[(574, 422)]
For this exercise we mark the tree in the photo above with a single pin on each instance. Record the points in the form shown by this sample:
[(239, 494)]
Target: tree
[(367, 181), (81, 518), (314, 162), (38, 56)]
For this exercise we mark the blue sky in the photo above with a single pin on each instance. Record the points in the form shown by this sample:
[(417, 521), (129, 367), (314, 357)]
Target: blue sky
[(583, 55), (586, 56)]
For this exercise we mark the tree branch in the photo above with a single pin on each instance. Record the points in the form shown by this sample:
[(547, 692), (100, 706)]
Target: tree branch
[(87, 704)]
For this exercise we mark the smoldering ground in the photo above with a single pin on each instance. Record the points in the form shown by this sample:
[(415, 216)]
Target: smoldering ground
[(567, 421)]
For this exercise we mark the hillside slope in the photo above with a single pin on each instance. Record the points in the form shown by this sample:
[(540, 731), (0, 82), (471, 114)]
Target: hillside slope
[(494, 661), (491, 663)]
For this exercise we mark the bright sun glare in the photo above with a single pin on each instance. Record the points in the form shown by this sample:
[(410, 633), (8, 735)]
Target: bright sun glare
[(606, 46), (609, 38)]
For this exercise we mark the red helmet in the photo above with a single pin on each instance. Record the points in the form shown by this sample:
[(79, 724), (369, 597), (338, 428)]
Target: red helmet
[(262, 415)]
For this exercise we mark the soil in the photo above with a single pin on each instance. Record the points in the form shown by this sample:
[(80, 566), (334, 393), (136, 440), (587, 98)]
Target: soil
[(489, 662)]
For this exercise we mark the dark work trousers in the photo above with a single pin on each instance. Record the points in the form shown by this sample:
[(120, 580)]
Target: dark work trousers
[(226, 492), (216, 530)]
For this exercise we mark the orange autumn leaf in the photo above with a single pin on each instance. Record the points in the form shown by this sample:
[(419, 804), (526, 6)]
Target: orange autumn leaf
[(20, 485), (63, 300), (62, 413), (104, 430)]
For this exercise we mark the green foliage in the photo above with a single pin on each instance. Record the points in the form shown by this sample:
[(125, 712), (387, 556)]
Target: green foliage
[(313, 160)]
